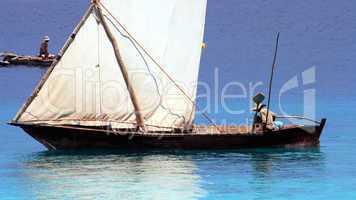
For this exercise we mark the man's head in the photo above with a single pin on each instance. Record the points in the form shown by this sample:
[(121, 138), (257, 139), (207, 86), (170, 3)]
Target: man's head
[(46, 39)]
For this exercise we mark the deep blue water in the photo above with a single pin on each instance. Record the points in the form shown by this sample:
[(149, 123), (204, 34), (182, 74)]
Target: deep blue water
[(240, 36)]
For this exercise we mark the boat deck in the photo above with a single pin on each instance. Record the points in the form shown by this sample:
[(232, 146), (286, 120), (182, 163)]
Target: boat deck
[(231, 129), (197, 130)]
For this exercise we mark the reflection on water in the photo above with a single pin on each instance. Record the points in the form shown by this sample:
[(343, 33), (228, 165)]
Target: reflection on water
[(265, 160), (281, 169), (114, 175), (260, 173), (164, 175)]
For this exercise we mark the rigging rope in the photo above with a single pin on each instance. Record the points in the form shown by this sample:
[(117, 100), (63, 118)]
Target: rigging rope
[(99, 68), (159, 66), (148, 68)]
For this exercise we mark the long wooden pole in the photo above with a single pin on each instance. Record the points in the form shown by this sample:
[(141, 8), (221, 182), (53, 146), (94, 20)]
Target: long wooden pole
[(97, 2), (139, 118), (271, 78)]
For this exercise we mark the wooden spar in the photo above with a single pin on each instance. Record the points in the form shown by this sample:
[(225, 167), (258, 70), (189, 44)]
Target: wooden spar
[(123, 68), (97, 2), (49, 71), (271, 78), (298, 117)]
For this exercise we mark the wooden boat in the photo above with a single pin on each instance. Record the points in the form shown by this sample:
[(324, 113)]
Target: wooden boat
[(4, 63), (14, 59), (133, 83)]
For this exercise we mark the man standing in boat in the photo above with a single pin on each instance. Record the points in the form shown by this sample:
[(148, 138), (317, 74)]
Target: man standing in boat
[(44, 54), (262, 118)]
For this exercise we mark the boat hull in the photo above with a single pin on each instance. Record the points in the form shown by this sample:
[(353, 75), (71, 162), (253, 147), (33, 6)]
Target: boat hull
[(63, 138), (14, 59), (31, 61)]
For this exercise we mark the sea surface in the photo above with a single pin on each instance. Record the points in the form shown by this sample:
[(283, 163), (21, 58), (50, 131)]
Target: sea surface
[(319, 36)]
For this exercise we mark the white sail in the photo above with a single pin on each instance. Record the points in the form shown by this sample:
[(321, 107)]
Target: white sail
[(86, 86)]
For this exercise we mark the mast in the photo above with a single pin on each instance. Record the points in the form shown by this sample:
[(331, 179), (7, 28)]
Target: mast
[(271, 79), (139, 119)]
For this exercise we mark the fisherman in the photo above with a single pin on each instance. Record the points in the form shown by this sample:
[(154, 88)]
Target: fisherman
[(261, 117), (44, 54)]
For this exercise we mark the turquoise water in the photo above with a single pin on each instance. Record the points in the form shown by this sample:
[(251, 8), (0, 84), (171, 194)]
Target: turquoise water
[(240, 37)]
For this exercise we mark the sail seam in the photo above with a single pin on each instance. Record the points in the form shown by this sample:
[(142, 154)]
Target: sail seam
[(139, 118), (159, 66), (54, 64), (150, 72)]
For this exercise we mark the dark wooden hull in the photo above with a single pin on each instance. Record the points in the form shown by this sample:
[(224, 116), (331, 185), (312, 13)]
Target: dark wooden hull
[(31, 61), (64, 137), (13, 59)]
